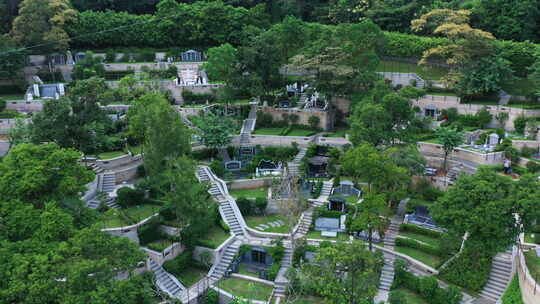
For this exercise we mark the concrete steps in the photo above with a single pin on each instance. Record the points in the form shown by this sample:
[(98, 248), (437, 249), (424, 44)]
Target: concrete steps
[(230, 217), (281, 282), (166, 281), (499, 277), (387, 273), (304, 225), (109, 182), (294, 165), (327, 188), (225, 261)]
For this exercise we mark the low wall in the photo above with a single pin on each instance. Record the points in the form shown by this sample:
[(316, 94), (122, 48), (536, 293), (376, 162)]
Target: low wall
[(458, 154), (126, 174), (326, 117), (25, 106), (447, 102), (4, 147), (119, 161), (249, 183), (167, 254), (6, 124), (273, 140), (519, 144), (198, 250), (91, 190), (333, 141), (128, 231), (530, 290)]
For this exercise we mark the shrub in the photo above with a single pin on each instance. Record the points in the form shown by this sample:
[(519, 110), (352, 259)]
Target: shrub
[(397, 297), (11, 89), (469, 270), (150, 232), (2, 104), (528, 152), (273, 271), (512, 295), (224, 226), (314, 122), (420, 230), (246, 206), (264, 119), (141, 171), (146, 56), (260, 204), (533, 167), (211, 297), (178, 264), (520, 123), (130, 197), (323, 212), (217, 167), (195, 98), (417, 245), (110, 56)]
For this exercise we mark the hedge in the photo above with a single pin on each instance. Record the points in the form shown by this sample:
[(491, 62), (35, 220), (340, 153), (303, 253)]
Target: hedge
[(520, 54), (512, 295), (426, 287), (11, 89), (403, 242), (469, 270), (420, 230)]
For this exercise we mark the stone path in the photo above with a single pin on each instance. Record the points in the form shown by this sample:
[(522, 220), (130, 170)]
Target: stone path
[(273, 224)]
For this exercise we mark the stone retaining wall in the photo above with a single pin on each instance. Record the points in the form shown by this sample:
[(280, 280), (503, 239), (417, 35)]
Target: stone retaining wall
[(530, 290), (6, 124), (326, 117), (127, 173), (249, 183), (447, 102), (128, 231), (26, 106), (4, 147), (519, 144), (167, 254), (119, 161), (494, 158)]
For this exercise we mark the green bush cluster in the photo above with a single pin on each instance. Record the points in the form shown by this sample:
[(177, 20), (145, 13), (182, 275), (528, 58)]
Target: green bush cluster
[(512, 295), (533, 167), (11, 89), (426, 287), (150, 232), (181, 262), (128, 197), (116, 75), (410, 243), (323, 212), (194, 98), (469, 270), (251, 207), (420, 230), (520, 54)]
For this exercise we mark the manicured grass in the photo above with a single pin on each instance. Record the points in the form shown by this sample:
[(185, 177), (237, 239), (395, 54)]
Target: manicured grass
[(428, 259), (254, 221), (338, 132), (246, 289), (301, 132), (159, 245), (411, 296), (305, 299), (191, 275), (243, 269), (429, 72), (215, 237), (317, 235), (9, 97), (198, 105), (421, 237), (351, 199), (124, 217), (110, 155), (529, 237), (249, 193), (533, 263), (267, 131)]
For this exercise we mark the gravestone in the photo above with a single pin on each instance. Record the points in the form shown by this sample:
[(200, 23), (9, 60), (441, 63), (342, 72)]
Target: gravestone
[(537, 252), (191, 56), (493, 140), (233, 165)]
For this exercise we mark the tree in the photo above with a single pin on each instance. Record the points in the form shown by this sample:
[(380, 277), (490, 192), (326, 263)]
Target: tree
[(40, 23), (89, 66), (20, 133), (344, 273), (371, 216), (484, 75), (215, 131), (221, 62), (314, 121), (484, 117), (40, 173), (449, 139), (347, 11), (485, 205), (12, 59), (501, 118), (408, 157), (535, 72)]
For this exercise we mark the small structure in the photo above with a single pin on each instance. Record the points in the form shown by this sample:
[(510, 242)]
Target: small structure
[(191, 56), (267, 167), (337, 204), (347, 188), (78, 56), (45, 91), (493, 140), (190, 77), (257, 260), (233, 165), (421, 217), (284, 104), (58, 59), (431, 111), (317, 166)]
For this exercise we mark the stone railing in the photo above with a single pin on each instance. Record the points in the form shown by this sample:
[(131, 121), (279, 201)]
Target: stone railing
[(218, 252), (25, 106), (530, 289)]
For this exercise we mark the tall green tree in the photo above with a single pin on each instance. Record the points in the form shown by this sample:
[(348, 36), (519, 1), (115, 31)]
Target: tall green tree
[(490, 207), (449, 139), (40, 173), (371, 216), (215, 131), (40, 23), (89, 66), (344, 273), (12, 59), (221, 62)]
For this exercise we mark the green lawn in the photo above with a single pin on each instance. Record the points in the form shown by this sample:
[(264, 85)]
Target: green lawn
[(351, 199), (421, 237), (110, 155), (430, 72), (253, 221), (428, 259), (268, 131), (191, 275), (246, 289), (341, 236), (9, 97), (301, 132), (243, 269), (159, 245), (215, 237), (533, 263), (279, 131), (124, 217), (411, 296), (337, 132), (250, 193)]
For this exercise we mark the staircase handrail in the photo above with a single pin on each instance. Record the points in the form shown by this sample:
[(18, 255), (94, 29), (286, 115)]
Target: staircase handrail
[(220, 251)]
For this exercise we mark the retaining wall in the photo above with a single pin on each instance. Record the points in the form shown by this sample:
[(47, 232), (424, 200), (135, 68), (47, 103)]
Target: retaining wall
[(447, 102), (26, 106), (128, 231), (167, 254), (119, 161), (249, 183), (6, 124), (326, 117), (458, 154), (530, 290), (4, 147)]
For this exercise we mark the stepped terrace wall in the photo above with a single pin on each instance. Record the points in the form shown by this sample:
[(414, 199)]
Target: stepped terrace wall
[(447, 102), (326, 117), (459, 154), (530, 290)]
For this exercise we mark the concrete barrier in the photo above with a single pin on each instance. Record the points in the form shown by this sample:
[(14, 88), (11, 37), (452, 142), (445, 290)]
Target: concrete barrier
[(167, 254), (530, 289)]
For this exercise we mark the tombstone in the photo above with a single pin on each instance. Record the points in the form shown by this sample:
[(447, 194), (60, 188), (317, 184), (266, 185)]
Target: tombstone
[(69, 58), (58, 59), (233, 165), (284, 104), (247, 151), (79, 56), (493, 140), (327, 224), (191, 56), (337, 204)]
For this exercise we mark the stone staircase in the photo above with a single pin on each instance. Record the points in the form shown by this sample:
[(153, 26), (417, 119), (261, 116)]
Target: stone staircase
[(499, 277), (294, 165), (94, 204), (108, 182), (230, 217), (327, 188), (245, 139), (387, 273), (166, 281), (305, 224), (281, 282), (225, 261)]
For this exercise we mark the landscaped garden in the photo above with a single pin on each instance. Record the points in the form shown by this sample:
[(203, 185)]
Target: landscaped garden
[(246, 289), (113, 218), (533, 264), (215, 236), (185, 269), (261, 192), (268, 223)]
